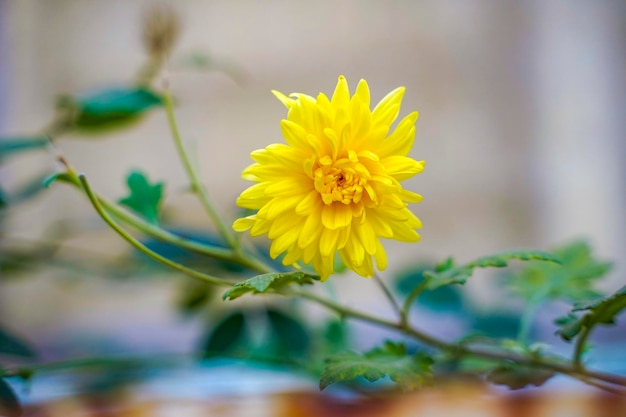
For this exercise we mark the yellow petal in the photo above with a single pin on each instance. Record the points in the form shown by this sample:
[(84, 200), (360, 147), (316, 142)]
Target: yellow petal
[(287, 102), (387, 109), (402, 167), (341, 96), (328, 242), (363, 91), (336, 215), (243, 224), (380, 256)]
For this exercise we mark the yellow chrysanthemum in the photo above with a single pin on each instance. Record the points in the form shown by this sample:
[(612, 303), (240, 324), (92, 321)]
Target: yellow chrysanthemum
[(335, 185)]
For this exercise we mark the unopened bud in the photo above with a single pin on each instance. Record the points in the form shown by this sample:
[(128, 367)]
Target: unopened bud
[(161, 27)]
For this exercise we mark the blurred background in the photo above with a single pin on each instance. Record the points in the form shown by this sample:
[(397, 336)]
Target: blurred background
[(521, 124)]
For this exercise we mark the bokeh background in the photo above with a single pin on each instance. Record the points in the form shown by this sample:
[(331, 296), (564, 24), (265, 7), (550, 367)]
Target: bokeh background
[(521, 122)]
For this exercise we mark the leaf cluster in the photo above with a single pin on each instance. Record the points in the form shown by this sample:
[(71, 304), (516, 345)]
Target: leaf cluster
[(603, 311), (408, 371), (573, 279)]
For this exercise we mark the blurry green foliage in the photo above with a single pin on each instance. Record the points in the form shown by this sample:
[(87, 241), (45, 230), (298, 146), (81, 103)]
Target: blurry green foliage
[(144, 197), (9, 405), (447, 272), (12, 345), (603, 311), (227, 335), (15, 145), (288, 335), (572, 280), (108, 110)]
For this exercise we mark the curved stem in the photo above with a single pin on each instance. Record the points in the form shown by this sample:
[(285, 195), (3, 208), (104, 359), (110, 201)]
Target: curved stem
[(163, 235), (456, 350), (196, 185), (137, 244), (410, 299), (389, 295)]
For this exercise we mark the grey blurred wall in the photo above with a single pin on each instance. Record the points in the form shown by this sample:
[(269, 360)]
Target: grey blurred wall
[(521, 108)]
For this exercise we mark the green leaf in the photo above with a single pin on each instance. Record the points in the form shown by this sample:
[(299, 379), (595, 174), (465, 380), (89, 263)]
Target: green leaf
[(27, 190), (408, 371), (3, 199), (269, 282), (603, 311), (9, 404), (12, 345), (517, 377), (10, 146), (569, 326), (144, 198), (447, 274), (291, 336), (226, 335), (336, 335), (194, 296), (110, 109), (572, 280)]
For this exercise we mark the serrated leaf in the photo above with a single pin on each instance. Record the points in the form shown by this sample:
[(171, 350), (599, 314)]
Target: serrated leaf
[(517, 377), (10, 146), (569, 326), (408, 371), (449, 274), (226, 334), (269, 282), (9, 404), (12, 345), (603, 311), (145, 197), (111, 109), (291, 336), (572, 280)]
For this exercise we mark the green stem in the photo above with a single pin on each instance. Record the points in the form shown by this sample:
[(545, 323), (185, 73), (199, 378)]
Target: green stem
[(389, 295), (200, 248), (98, 362), (165, 236), (410, 299), (137, 244), (526, 320), (457, 350), (579, 348), (196, 185)]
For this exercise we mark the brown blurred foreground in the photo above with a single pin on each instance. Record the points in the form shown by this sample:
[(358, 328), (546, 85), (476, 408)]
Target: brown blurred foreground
[(454, 401)]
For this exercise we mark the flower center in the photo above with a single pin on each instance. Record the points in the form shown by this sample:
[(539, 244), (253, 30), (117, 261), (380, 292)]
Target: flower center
[(341, 180)]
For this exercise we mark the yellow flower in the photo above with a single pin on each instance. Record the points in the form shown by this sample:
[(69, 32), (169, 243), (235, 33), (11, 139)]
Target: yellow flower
[(335, 185)]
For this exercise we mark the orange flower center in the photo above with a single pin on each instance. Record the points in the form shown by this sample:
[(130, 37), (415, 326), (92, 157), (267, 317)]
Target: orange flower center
[(340, 180)]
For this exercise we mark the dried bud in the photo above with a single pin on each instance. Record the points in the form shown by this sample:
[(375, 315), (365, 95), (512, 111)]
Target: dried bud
[(161, 27)]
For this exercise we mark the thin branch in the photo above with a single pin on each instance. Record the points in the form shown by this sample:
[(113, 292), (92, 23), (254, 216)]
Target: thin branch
[(196, 185), (389, 295), (137, 244)]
